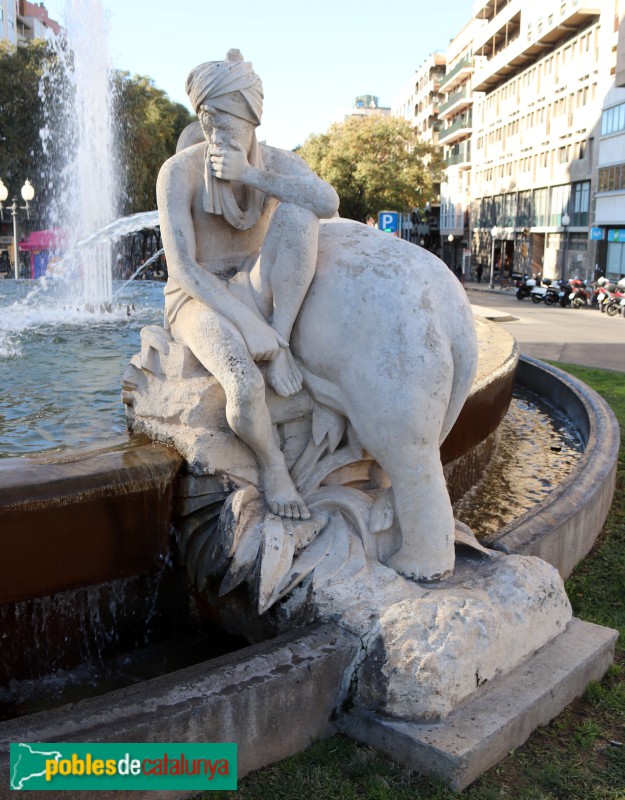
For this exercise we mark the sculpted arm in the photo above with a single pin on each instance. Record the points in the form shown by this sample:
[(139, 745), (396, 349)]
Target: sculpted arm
[(291, 182), (174, 191)]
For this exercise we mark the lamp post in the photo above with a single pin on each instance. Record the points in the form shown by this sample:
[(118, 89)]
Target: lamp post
[(494, 232), (566, 221), (450, 239), (28, 194)]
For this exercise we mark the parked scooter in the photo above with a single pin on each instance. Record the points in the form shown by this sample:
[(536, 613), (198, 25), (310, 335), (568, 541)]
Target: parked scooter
[(552, 295), (610, 292), (525, 286), (539, 293), (580, 294)]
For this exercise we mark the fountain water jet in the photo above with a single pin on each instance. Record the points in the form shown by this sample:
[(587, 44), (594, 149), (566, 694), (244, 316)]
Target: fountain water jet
[(85, 197)]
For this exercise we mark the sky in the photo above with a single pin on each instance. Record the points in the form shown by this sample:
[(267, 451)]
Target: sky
[(313, 58)]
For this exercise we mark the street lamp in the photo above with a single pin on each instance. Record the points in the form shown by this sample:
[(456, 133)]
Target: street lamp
[(566, 221), (494, 233), (28, 193), (450, 239)]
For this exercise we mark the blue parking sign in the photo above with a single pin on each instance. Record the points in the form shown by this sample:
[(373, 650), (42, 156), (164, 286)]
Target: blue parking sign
[(388, 221)]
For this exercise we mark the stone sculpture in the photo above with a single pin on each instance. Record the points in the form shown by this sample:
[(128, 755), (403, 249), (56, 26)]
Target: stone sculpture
[(240, 226), (309, 370)]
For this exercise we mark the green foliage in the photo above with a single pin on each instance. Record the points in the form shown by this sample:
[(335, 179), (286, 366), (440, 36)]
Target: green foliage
[(375, 164), (22, 116), (149, 127)]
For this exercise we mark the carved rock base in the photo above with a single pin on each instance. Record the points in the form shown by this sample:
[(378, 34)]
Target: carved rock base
[(427, 648)]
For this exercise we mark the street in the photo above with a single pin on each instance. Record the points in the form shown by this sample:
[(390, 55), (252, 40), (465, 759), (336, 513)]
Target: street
[(576, 336)]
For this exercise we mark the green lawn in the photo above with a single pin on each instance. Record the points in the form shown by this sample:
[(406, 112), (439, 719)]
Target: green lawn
[(579, 756)]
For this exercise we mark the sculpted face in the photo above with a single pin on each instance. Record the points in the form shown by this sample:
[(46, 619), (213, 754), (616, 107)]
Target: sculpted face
[(223, 129)]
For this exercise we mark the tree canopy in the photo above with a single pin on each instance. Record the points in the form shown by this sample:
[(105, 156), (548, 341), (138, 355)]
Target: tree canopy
[(148, 125), (375, 164)]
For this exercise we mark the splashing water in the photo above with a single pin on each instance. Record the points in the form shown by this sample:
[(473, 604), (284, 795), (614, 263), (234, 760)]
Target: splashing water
[(87, 187)]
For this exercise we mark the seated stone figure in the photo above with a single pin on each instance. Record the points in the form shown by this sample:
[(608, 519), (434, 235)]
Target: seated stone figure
[(378, 331), (240, 225)]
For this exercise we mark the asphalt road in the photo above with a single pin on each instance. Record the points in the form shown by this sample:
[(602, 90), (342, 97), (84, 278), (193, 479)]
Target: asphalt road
[(575, 336)]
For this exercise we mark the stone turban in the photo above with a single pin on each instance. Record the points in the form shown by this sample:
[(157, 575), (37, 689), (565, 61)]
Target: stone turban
[(215, 81)]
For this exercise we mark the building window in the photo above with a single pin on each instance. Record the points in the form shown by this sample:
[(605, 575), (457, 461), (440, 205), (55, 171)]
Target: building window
[(540, 208), (580, 203), (615, 266), (578, 241), (558, 203), (612, 179), (613, 120)]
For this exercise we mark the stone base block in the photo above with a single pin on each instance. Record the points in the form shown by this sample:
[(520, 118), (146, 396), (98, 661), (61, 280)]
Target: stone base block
[(273, 699), (500, 718)]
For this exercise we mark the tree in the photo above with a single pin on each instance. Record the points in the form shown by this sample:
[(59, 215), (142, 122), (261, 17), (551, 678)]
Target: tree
[(149, 125), (375, 163), (22, 114), (36, 100)]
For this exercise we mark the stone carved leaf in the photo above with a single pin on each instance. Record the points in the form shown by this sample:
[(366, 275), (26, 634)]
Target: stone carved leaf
[(196, 525), (238, 509), (327, 423), (276, 558), (382, 515), (245, 556), (337, 553), (464, 535), (210, 561), (304, 564), (357, 506)]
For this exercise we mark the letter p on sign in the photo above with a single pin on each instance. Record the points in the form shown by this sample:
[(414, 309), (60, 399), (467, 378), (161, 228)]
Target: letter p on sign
[(388, 221)]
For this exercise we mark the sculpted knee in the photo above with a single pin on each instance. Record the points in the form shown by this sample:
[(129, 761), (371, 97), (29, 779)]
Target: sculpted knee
[(289, 217)]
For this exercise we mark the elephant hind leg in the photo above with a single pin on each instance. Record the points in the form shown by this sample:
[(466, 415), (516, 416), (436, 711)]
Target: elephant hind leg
[(424, 513)]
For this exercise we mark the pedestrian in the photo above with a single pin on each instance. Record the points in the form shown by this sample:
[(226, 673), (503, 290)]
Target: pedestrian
[(479, 271)]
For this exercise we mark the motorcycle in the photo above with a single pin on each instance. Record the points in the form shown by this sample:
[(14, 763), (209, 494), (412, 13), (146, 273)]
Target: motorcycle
[(564, 295), (540, 292), (580, 294), (610, 292), (525, 287), (615, 302), (552, 295)]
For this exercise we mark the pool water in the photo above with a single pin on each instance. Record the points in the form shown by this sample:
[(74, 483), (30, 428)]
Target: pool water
[(61, 365)]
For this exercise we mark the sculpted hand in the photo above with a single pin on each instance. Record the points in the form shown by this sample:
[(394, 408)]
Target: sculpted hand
[(262, 341), (228, 163)]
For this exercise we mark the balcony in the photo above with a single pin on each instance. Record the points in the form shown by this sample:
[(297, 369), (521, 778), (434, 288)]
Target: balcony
[(456, 102), (560, 20), (459, 73), (459, 128), (484, 34), (459, 154)]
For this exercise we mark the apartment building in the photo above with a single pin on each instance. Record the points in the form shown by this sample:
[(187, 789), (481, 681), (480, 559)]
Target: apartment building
[(608, 229), (419, 99), (418, 102), (542, 70), (367, 105), (456, 114), (21, 21), (8, 21)]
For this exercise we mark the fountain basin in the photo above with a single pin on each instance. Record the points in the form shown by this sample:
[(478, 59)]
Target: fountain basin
[(563, 527), (573, 515)]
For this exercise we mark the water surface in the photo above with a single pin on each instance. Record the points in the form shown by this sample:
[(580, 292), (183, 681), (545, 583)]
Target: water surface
[(61, 364)]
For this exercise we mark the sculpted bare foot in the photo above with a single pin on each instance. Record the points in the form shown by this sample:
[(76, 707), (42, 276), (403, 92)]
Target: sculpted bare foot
[(283, 373), (281, 495)]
